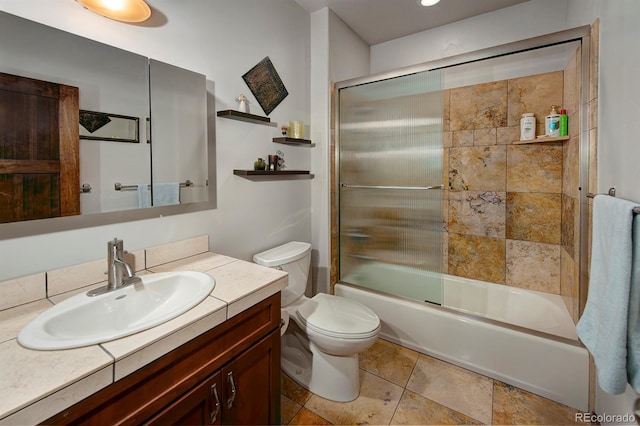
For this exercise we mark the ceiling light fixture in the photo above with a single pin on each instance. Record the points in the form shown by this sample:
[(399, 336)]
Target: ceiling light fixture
[(119, 10), (428, 2)]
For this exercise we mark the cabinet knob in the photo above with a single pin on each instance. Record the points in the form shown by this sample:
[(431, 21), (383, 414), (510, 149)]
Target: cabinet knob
[(232, 385), (216, 411)]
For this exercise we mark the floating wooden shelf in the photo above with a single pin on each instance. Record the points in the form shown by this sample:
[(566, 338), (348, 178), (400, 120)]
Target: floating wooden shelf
[(279, 174), (244, 116), (294, 141), (541, 140)]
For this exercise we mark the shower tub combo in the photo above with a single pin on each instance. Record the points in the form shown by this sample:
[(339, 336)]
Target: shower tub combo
[(522, 337)]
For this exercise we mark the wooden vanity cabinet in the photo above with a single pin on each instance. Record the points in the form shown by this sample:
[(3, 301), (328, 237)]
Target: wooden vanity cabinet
[(238, 395), (228, 375)]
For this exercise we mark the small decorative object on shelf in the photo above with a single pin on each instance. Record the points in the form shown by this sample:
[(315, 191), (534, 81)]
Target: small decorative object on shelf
[(296, 129), (259, 164), (280, 155), (273, 162), (243, 103), (284, 128)]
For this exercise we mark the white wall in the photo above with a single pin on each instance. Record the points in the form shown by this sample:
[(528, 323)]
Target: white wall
[(619, 91), (222, 39), (337, 54)]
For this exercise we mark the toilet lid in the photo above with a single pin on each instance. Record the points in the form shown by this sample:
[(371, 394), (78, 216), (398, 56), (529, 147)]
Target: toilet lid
[(339, 317)]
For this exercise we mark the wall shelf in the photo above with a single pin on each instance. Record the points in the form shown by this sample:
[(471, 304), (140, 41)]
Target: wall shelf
[(277, 175), (542, 140), (246, 117), (294, 141)]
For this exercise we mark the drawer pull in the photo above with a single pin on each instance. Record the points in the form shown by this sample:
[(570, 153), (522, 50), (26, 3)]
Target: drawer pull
[(233, 390), (214, 413)]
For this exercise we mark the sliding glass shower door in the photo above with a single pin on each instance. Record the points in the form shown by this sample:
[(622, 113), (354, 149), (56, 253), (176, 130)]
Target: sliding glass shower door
[(390, 185)]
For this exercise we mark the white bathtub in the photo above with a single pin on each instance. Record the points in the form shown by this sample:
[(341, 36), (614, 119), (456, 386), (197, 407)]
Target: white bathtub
[(469, 331)]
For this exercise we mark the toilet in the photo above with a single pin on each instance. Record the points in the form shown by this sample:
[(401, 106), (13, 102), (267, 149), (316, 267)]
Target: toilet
[(323, 334)]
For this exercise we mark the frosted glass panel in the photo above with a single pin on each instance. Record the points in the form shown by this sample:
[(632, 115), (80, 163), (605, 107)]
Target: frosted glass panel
[(390, 171)]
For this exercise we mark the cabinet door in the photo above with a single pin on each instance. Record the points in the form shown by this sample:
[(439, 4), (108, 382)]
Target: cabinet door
[(251, 385), (200, 406)]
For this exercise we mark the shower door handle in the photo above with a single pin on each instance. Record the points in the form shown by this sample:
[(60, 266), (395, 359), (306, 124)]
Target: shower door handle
[(421, 188)]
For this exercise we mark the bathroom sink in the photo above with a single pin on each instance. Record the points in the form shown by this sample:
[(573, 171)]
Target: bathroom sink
[(82, 320)]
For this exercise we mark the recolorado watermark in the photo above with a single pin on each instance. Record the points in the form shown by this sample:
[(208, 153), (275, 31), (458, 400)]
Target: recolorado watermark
[(605, 418)]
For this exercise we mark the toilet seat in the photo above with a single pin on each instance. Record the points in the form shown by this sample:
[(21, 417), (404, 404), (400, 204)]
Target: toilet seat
[(338, 317)]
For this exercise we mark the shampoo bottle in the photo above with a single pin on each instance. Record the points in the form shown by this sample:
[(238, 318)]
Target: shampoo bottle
[(564, 123), (552, 123), (527, 126)]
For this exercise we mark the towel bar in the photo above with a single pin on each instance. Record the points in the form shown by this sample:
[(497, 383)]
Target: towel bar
[(612, 193), (120, 187)]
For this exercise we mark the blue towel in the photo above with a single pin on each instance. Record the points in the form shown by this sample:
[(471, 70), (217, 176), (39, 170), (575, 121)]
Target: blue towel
[(633, 334), (143, 195), (166, 194), (603, 327)]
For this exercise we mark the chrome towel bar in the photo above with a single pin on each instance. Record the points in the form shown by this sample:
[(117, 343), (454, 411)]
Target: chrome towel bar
[(612, 193), (120, 187)]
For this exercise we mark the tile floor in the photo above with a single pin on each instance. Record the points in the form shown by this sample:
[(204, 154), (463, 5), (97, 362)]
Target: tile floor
[(401, 386)]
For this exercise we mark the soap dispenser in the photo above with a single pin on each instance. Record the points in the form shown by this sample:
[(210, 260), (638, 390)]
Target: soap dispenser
[(552, 123)]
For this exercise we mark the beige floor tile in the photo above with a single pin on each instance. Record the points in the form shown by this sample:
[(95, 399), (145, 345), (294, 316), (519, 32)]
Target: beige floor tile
[(414, 409), (512, 405), (461, 390), (288, 409), (390, 361), (293, 390), (306, 417), (375, 405)]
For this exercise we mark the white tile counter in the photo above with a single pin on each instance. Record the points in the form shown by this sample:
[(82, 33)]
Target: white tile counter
[(34, 385)]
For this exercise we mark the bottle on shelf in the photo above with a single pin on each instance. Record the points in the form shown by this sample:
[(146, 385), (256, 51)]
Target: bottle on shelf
[(564, 123), (552, 123), (527, 126)]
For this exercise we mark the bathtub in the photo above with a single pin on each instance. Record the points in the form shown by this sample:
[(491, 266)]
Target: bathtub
[(521, 337)]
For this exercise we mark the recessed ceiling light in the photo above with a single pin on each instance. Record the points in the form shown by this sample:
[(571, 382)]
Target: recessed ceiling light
[(427, 2)]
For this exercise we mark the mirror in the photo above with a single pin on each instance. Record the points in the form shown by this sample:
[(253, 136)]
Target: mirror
[(101, 126), (122, 89)]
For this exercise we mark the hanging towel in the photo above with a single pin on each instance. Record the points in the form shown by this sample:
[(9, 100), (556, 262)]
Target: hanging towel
[(633, 334), (143, 195), (603, 327), (166, 194)]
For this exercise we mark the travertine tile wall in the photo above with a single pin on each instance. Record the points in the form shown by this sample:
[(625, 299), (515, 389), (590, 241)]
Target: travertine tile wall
[(503, 204)]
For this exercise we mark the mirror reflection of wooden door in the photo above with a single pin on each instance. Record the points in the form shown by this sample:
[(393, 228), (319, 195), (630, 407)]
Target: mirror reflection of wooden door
[(39, 149)]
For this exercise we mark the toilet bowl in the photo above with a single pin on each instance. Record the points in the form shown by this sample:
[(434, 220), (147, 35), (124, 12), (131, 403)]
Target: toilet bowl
[(325, 333)]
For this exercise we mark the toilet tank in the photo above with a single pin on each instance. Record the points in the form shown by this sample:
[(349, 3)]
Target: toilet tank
[(293, 257)]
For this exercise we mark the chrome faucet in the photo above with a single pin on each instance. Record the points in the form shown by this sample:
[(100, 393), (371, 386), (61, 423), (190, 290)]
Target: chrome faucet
[(117, 266), (120, 273)]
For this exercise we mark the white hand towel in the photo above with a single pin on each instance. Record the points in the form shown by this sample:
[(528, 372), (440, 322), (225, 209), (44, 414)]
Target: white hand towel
[(166, 194), (143, 196), (603, 326)]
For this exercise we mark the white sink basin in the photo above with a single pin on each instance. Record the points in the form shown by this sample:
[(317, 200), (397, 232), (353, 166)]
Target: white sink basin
[(82, 320)]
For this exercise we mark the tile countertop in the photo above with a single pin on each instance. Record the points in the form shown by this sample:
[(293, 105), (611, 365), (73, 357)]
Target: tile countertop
[(34, 385)]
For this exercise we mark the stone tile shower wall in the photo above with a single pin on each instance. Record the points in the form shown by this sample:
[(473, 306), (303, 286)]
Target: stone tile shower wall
[(503, 205)]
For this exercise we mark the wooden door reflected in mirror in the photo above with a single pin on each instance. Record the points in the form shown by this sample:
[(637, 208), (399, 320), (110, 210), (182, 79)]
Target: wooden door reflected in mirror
[(39, 158)]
